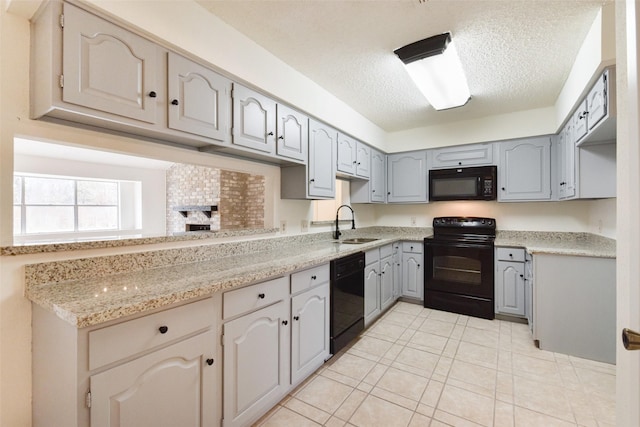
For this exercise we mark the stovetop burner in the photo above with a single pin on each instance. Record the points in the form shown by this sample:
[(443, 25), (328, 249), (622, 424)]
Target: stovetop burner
[(464, 228)]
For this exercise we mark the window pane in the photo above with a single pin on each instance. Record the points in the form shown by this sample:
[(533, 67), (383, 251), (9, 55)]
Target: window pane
[(17, 190), (47, 191), (49, 219), (97, 193), (17, 220), (97, 218)]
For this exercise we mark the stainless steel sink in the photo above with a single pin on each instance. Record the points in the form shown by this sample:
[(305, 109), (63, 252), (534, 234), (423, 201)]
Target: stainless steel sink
[(357, 240)]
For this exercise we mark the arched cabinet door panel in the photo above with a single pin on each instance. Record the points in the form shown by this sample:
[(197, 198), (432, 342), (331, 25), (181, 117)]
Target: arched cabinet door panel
[(524, 172)]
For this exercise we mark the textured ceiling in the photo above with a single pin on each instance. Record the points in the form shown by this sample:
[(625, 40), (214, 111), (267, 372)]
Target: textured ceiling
[(517, 54)]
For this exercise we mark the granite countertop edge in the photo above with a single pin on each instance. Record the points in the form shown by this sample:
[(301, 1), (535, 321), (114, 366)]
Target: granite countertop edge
[(92, 301)]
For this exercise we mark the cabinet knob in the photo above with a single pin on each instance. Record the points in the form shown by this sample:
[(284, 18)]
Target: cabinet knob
[(261, 296), (411, 247), (152, 94), (354, 162), (281, 137), (373, 191), (163, 329), (358, 163), (175, 102), (418, 265), (314, 277), (388, 193), (209, 362), (285, 322), (312, 180), (296, 317), (270, 134), (510, 255), (502, 188), (522, 275), (459, 163)]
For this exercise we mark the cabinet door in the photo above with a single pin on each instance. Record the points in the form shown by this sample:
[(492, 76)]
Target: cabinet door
[(466, 155), (309, 332), (597, 101), (363, 158), (254, 120), (407, 177), (580, 119), (525, 169), (377, 181), (108, 68), (322, 160), (386, 282), (371, 293), (174, 386), (412, 275), (510, 288), (256, 363), (199, 99), (397, 271), (347, 152), (293, 133)]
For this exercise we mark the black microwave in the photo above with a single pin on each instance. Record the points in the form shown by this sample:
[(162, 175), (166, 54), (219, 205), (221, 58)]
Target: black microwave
[(464, 183)]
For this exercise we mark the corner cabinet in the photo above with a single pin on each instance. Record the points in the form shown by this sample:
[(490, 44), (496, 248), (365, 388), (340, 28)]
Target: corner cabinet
[(524, 170), (372, 191), (407, 177)]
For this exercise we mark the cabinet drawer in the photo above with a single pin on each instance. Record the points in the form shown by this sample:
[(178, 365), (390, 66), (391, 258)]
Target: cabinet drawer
[(386, 251), (413, 247), (112, 343), (303, 280), (510, 254), (254, 297), (371, 256)]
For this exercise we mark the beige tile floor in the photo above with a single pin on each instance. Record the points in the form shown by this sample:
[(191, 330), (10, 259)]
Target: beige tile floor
[(422, 367)]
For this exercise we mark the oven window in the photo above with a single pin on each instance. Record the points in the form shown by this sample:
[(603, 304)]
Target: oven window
[(457, 269), (454, 186)]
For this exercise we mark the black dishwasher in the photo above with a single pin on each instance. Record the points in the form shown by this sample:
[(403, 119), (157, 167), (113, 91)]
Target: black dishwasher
[(347, 300)]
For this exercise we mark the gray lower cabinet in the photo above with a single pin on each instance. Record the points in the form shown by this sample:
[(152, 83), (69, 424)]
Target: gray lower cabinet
[(524, 170), (378, 282), (412, 270), (158, 369), (510, 292)]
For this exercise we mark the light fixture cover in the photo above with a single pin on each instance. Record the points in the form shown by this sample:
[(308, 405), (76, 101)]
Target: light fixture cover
[(434, 66)]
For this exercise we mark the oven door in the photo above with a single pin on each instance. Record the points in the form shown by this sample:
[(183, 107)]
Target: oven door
[(459, 268)]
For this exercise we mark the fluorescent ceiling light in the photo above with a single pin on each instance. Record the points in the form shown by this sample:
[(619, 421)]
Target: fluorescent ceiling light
[(434, 66)]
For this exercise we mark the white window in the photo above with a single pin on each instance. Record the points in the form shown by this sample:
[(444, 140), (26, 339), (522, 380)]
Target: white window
[(325, 210), (47, 204)]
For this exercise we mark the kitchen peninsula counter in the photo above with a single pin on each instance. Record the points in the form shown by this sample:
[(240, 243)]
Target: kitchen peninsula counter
[(89, 291)]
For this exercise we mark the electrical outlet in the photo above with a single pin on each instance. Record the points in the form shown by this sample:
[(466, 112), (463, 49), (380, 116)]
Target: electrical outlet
[(283, 226), (304, 226), (414, 221)]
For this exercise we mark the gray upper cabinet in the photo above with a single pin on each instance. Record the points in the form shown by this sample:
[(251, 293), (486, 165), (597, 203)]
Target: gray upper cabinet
[(407, 177), (353, 157), (347, 152), (463, 155), (108, 68), (292, 132), (373, 190), (199, 99), (594, 119), (566, 150), (524, 170), (322, 160), (363, 158), (254, 123)]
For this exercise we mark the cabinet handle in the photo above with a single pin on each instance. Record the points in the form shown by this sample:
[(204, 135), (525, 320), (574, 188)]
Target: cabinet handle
[(163, 329), (522, 275), (281, 137), (261, 296), (175, 102), (583, 115), (209, 362), (314, 277), (296, 317), (152, 94), (354, 162), (312, 180), (270, 134), (285, 322)]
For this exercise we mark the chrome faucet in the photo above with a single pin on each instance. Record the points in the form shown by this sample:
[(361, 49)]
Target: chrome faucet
[(337, 233)]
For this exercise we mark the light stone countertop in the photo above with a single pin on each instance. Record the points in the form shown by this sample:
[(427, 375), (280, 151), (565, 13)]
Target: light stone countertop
[(90, 291)]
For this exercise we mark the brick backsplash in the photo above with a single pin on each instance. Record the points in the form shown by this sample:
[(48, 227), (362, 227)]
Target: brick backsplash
[(239, 197)]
